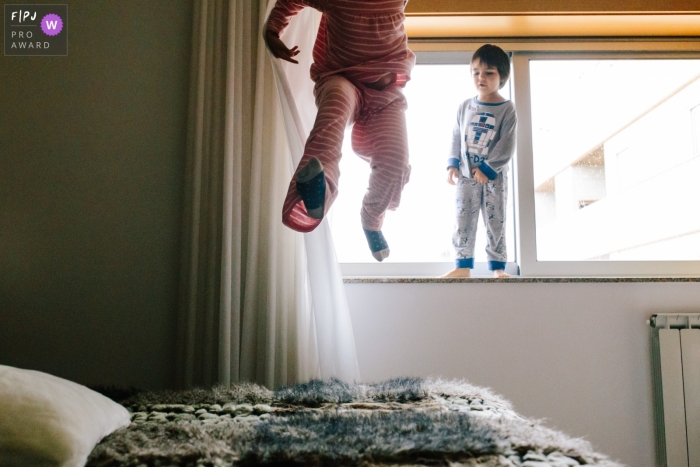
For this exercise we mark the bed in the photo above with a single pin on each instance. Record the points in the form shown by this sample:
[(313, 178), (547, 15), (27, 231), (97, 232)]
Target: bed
[(400, 422)]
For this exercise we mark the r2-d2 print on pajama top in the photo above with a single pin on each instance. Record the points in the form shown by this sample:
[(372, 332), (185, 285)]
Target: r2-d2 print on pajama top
[(486, 135), (481, 132)]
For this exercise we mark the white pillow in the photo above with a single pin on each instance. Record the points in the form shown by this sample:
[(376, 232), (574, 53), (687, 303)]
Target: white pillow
[(50, 421)]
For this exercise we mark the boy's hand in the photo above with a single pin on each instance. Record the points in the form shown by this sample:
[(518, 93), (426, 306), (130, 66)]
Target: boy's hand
[(479, 176), (452, 175), (278, 49)]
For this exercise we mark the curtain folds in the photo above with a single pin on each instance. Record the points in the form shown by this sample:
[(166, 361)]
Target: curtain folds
[(258, 302)]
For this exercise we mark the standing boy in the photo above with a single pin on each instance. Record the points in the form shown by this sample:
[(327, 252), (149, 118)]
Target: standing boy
[(482, 146), (361, 63)]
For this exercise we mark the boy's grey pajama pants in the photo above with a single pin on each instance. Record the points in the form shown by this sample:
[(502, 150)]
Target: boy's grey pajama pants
[(490, 198)]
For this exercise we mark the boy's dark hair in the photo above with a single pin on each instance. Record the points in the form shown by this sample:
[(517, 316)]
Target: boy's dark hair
[(493, 55)]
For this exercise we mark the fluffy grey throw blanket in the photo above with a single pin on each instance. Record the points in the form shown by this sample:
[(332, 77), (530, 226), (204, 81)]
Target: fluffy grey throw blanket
[(400, 422)]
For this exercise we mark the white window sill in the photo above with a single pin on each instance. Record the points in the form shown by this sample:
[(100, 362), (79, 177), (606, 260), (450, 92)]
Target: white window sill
[(515, 279)]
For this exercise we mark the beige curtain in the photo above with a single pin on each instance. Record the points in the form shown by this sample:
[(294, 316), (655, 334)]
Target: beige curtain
[(247, 310)]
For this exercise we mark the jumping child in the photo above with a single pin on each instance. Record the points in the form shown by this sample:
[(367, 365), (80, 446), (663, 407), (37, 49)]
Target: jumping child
[(361, 63), (483, 141)]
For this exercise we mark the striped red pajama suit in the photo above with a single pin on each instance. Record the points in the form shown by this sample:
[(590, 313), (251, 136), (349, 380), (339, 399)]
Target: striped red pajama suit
[(359, 42)]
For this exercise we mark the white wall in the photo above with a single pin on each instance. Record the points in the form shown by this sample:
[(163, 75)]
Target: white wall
[(577, 354)]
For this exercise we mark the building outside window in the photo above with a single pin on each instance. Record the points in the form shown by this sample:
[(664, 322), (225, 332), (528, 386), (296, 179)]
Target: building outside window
[(695, 120), (614, 166)]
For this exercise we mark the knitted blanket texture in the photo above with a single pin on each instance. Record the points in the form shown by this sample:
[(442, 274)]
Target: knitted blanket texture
[(399, 422)]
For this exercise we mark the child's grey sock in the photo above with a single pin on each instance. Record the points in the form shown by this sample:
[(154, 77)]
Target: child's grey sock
[(377, 244), (311, 185)]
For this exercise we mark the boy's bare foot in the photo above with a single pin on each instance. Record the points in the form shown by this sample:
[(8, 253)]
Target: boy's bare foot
[(499, 274), (459, 272)]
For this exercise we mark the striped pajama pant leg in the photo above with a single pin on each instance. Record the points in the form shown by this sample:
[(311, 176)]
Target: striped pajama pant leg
[(338, 102), (379, 137)]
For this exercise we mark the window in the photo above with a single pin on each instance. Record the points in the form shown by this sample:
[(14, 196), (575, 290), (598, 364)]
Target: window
[(606, 173), (420, 231), (608, 165), (609, 135)]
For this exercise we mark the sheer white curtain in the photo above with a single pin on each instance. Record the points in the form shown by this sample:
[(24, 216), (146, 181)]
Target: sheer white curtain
[(259, 302)]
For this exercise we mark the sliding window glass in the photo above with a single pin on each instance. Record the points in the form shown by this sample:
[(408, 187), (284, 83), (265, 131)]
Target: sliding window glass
[(606, 176), (610, 148), (419, 232)]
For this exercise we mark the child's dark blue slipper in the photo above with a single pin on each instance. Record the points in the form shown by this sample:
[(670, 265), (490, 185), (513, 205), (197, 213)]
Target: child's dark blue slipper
[(311, 185), (377, 244)]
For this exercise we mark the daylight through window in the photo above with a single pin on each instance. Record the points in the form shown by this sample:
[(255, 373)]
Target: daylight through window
[(615, 169), (605, 181), (420, 230)]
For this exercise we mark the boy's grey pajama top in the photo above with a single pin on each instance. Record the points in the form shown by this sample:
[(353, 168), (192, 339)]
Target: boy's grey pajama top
[(484, 138)]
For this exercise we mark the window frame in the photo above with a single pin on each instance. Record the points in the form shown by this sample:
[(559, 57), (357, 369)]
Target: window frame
[(530, 266), (522, 51)]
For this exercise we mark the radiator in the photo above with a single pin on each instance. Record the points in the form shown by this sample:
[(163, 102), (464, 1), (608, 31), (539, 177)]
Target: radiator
[(676, 367)]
